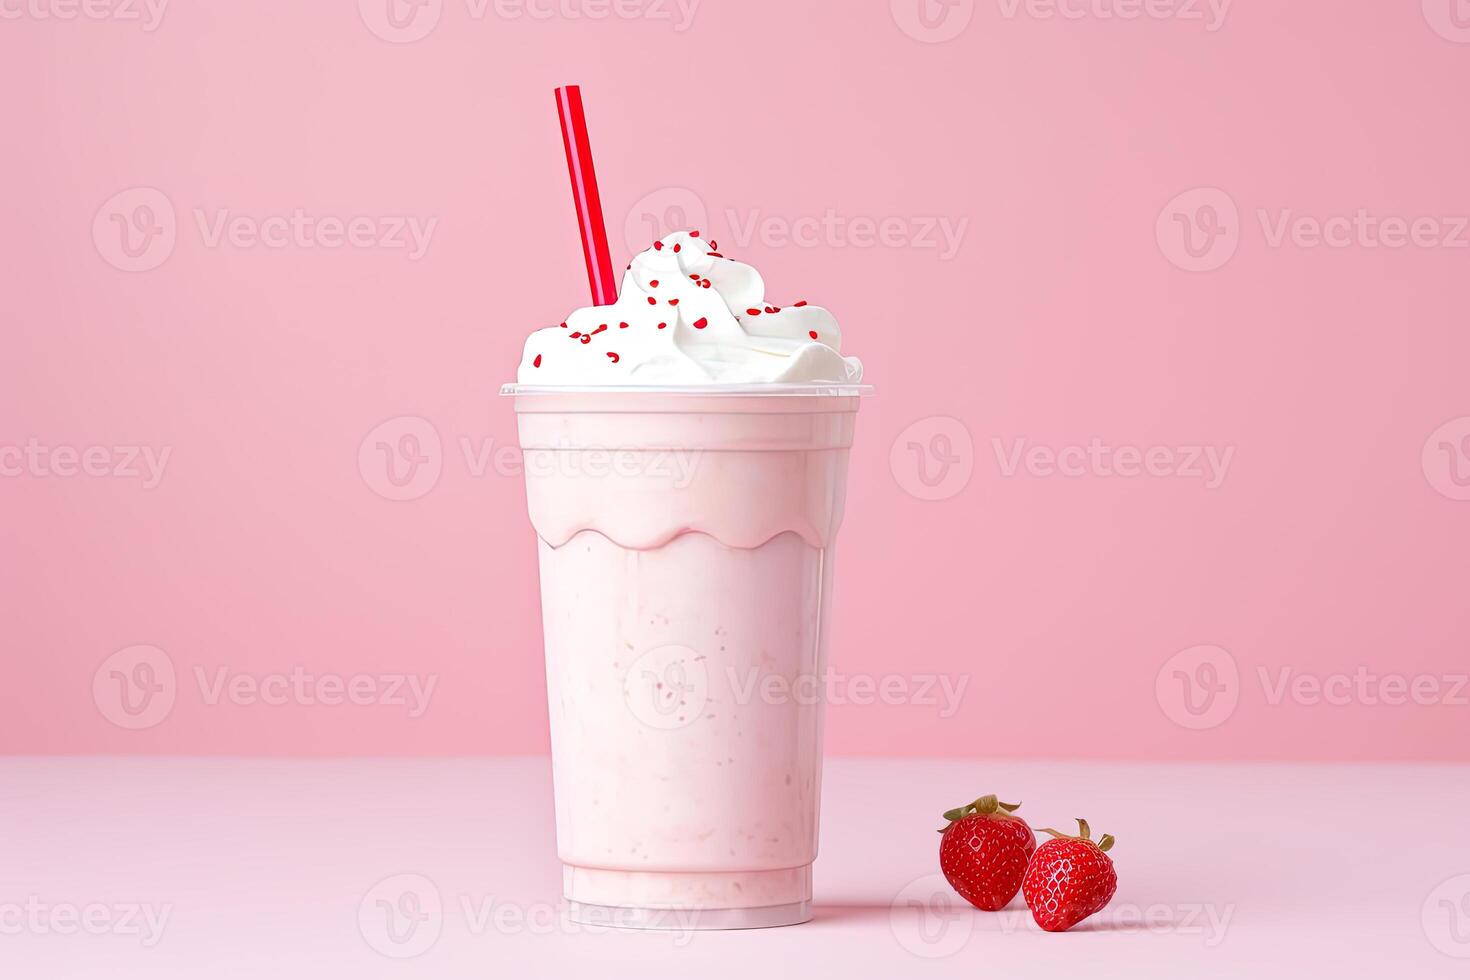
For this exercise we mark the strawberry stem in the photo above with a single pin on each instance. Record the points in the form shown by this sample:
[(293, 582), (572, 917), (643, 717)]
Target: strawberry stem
[(987, 804), (1085, 833)]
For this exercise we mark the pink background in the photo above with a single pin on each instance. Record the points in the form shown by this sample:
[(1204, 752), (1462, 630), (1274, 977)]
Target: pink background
[(1335, 541)]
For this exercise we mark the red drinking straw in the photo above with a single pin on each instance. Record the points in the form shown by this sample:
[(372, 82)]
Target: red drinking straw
[(584, 193)]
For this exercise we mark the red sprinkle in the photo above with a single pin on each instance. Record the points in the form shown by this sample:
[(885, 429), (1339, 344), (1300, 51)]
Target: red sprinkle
[(658, 246), (753, 311), (600, 328), (694, 234), (537, 361), (586, 338), (662, 325), (812, 334), (614, 357), (694, 276), (576, 334), (717, 255), (563, 326), (704, 283), (653, 283), (701, 323), (651, 301), (677, 246), (800, 302), (770, 309), (622, 326), (673, 302), (713, 243)]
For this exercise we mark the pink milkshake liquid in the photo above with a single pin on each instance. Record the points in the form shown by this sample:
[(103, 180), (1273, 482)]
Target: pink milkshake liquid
[(686, 549)]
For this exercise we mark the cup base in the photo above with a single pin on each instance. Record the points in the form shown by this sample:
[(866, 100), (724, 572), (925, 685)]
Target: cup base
[(688, 900), (685, 920)]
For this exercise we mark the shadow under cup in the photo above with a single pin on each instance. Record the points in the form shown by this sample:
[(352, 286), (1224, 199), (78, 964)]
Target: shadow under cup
[(686, 546)]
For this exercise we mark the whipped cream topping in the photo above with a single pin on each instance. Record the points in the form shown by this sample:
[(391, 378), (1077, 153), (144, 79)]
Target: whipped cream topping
[(687, 315)]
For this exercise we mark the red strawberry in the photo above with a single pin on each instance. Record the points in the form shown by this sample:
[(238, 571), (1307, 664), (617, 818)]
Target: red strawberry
[(984, 851), (1069, 879)]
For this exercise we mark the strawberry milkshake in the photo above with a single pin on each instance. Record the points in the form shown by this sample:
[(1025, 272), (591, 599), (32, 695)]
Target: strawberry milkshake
[(686, 452)]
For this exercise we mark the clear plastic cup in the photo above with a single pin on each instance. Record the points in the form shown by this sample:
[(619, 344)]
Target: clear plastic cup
[(686, 543)]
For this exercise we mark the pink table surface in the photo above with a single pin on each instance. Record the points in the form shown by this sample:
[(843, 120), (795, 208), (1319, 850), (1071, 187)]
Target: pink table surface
[(254, 868)]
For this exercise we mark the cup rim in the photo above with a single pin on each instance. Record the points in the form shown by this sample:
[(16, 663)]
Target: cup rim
[(834, 389)]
